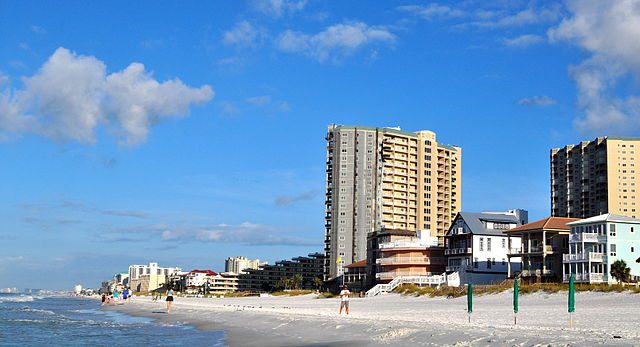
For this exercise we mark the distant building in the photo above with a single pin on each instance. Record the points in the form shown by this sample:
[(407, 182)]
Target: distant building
[(268, 276), (355, 275), (77, 289), (543, 243), (237, 265), (145, 278), (596, 177), (477, 247), (596, 243), (393, 253), (385, 178), (207, 282)]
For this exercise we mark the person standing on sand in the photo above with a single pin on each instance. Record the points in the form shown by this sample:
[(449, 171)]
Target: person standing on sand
[(169, 299), (344, 299)]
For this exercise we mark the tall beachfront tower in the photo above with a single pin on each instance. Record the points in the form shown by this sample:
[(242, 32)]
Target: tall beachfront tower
[(386, 178), (596, 177)]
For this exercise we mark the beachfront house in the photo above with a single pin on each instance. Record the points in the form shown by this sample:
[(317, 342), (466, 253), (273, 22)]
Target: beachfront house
[(477, 247), (355, 275), (596, 243), (393, 253), (543, 244)]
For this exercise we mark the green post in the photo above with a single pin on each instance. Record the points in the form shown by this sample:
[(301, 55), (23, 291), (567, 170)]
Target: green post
[(572, 300), (516, 293), (469, 300)]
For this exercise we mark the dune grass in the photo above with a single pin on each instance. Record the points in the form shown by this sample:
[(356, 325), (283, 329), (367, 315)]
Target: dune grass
[(414, 290), (293, 292)]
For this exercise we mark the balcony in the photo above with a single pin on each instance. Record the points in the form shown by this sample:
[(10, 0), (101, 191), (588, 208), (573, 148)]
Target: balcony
[(462, 250), (538, 272), (389, 275), (455, 268), (581, 257), (404, 244), (585, 237), (411, 261), (593, 277)]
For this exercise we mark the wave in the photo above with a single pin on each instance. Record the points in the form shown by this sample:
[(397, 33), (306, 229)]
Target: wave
[(37, 310), (21, 298)]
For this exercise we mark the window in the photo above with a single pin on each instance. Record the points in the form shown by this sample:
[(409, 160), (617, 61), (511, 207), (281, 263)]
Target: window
[(613, 250), (632, 227), (504, 262), (612, 230), (504, 244), (481, 243), (488, 263), (633, 249), (475, 263), (489, 244)]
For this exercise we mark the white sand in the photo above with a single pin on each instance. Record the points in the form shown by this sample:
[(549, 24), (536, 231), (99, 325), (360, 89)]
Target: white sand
[(600, 319)]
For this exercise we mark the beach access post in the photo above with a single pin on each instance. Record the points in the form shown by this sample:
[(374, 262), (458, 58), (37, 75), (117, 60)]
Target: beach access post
[(571, 300), (469, 299), (516, 293)]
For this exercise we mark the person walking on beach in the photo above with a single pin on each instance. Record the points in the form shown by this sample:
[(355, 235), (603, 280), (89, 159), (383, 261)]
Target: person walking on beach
[(344, 299), (169, 299), (104, 298)]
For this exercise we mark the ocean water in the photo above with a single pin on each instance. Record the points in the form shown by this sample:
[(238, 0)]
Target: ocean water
[(27, 320)]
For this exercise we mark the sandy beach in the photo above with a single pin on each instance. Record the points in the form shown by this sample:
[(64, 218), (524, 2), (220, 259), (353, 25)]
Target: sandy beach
[(600, 319)]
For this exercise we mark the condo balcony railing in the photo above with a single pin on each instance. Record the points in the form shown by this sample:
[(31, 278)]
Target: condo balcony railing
[(453, 268), (405, 244), (584, 256), (411, 260), (537, 272), (585, 237), (592, 277), (393, 274), (460, 250)]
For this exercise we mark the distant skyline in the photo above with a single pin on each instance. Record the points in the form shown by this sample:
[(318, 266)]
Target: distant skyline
[(185, 133)]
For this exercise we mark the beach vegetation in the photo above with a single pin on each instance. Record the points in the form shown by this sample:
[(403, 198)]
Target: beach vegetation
[(327, 295), (318, 282), (293, 292), (620, 271)]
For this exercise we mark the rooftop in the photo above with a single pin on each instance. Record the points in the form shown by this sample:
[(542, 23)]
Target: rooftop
[(607, 217), (361, 263), (549, 223)]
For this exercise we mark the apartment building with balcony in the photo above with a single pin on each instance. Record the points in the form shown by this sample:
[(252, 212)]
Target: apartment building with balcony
[(596, 177), (543, 244), (477, 247), (238, 264), (267, 276), (385, 178), (144, 278), (395, 253), (596, 243)]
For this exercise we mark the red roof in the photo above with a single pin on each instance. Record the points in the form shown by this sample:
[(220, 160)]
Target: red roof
[(361, 263), (208, 272), (549, 223)]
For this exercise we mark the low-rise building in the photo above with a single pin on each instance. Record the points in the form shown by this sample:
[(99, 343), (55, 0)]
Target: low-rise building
[(543, 243), (596, 243), (477, 247), (146, 278), (355, 275), (267, 277), (396, 253)]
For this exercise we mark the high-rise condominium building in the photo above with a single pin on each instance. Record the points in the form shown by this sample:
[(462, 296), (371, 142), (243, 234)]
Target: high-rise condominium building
[(596, 177), (385, 178), (237, 265)]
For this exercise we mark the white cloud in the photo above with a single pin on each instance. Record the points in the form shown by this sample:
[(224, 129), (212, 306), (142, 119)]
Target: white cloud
[(610, 31), (276, 8), (290, 199), (244, 34), (538, 100), (524, 41), (245, 233), (38, 30), (335, 42), (259, 100), (432, 11), (71, 95), (530, 15)]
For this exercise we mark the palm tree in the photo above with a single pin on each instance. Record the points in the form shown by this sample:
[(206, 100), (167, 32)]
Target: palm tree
[(297, 281), (317, 282), (620, 271)]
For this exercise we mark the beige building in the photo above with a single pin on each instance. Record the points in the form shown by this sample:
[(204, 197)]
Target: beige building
[(386, 178), (596, 177), (237, 265)]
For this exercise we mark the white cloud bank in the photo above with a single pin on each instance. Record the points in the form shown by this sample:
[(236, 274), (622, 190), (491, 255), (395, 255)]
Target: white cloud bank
[(276, 8), (610, 31), (335, 42), (71, 95)]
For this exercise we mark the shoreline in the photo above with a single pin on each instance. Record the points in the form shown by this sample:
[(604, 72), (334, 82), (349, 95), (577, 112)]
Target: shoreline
[(600, 318)]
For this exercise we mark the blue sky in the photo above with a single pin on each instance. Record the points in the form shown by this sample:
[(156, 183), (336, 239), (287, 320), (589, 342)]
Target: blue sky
[(187, 132)]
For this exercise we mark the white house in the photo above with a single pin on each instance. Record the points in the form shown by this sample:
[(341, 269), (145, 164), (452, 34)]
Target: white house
[(477, 247)]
